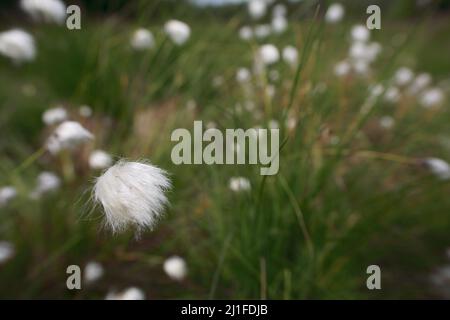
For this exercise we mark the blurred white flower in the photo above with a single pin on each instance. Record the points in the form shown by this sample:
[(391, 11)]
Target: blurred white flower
[(46, 182), (243, 75), (53, 11), (7, 194), (432, 98), (175, 267), (361, 66), (67, 135), (376, 90), (99, 159), (132, 193), (335, 13), (420, 82), (387, 122), (178, 31), (93, 271), (142, 39), (392, 94), (438, 167), (291, 123), (132, 293), (262, 31), (273, 124), (6, 251), (54, 115), (269, 54), (85, 111), (360, 33), (257, 8), (279, 10), (17, 45), (290, 55), (238, 184), (403, 76), (342, 68), (279, 24), (245, 33)]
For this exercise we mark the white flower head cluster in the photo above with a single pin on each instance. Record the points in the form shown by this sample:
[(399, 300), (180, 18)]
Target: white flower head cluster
[(46, 182), (175, 267), (245, 33), (432, 98), (54, 115), (67, 135), (178, 31), (438, 167), (238, 184), (100, 159), (131, 194), (257, 9), (142, 39), (342, 68), (51, 11), (7, 194), (268, 54), (421, 81), (17, 45), (6, 251), (403, 76), (93, 271), (279, 24), (132, 293), (335, 13), (243, 75), (392, 94), (290, 55)]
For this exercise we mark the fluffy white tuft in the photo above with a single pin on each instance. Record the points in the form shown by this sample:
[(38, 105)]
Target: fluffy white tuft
[(17, 45), (6, 251), (99, 159), (132, 194), (93, 271), (54, 115), (67, 135), (175, 267), (7, 194), (132, 293), (142, 39), (178, 31), (53, 11)]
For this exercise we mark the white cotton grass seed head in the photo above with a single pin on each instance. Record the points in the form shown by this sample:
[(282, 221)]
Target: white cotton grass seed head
[(269, 54), (403, 76), (131, 194), (66, 136), (387, 122), (93, 271), (438, 167), (279, 10), (335, 13), (392, 94), (99, 160), (17, 45), (342, 68), (238, 184), (45, 182), (6, 251), (290, 55), (7, 193), (262, 31), (50, 11), (246, 33), (360, 33), (132, 293), (175, 267), (142, 39), (421, 81), (431, 98), (85, 111), (178, 31), (257, 9), (54, 116), (243, 75), (279, 24)]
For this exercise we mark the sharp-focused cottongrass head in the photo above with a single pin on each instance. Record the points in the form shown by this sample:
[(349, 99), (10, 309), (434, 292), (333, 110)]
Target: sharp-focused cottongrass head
[(85, 111), (290, 55), (6, 251), (335, 13), (342, 68), (403, 76), (268, 54), (54, 115), (132, 194), (175, 267), (438, 167), (142, 39), (262, 31), (17, 45), (257, 8), (243, 75), (45, 182), (7, 194), (132, 293), (387, 122), (67, 135), (100, 159), (392, 94), (431, 98), (178, 31), (53, 11), (245, 33), (238, 184), (360, 33), (93, 271), (279, 24)]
